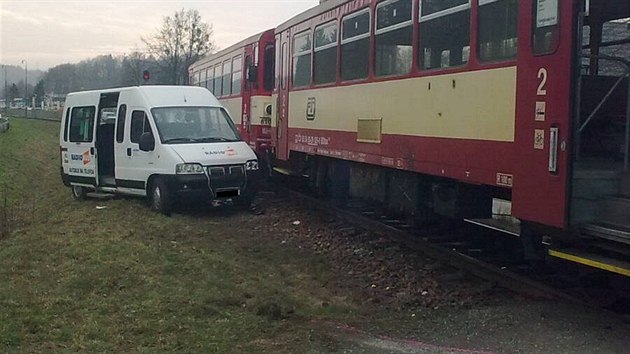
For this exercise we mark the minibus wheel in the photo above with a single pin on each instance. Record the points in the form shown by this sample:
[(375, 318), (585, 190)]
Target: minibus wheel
[(160, 197), (78, 193)]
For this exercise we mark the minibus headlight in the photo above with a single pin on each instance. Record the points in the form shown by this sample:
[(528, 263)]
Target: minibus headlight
[(188, 169), (251, 165)]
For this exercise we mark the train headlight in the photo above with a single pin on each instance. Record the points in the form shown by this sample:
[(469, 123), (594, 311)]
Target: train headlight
[(251, 165), (189, 169)]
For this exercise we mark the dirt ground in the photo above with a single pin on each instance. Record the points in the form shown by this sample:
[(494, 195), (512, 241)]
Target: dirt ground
[(422, 306)]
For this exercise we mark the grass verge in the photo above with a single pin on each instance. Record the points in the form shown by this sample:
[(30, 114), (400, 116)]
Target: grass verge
[(80, 278)]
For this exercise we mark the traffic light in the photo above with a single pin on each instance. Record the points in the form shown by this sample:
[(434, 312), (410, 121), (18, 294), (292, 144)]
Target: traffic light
[(145, 75)]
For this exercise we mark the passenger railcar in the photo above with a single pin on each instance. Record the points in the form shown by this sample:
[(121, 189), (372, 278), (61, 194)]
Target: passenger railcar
[(444, 107), (448, 107), (242, 78)]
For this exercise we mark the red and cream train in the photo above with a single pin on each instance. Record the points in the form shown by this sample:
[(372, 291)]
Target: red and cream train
[(444, 106)]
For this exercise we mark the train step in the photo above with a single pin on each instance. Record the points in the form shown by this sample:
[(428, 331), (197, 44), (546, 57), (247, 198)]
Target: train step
[(592, 260), (508, 225), (612, 232)]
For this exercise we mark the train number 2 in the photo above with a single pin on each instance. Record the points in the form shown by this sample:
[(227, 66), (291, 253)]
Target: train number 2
[(542, 76)]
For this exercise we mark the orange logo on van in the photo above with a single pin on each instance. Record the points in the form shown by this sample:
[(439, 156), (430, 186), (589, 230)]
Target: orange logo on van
[(86, 158), (230, 152)]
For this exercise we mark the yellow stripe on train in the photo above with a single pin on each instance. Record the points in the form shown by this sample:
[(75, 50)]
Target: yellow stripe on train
[(623, 269)]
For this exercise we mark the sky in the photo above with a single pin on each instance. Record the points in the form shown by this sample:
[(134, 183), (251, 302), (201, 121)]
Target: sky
[(46, 33)]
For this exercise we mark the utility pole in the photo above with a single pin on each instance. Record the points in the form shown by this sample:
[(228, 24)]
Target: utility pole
[(6, 101), (25, 88)]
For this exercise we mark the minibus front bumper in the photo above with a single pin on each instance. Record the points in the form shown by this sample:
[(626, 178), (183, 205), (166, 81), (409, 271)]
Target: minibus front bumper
[(219, 182)]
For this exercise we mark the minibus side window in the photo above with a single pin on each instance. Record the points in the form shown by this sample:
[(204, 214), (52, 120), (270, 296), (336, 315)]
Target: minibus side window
[(65, 128), (139, 125), (82, 124), (120, 125)]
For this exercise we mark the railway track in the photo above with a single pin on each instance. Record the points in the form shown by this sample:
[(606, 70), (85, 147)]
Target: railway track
[(482, 252)]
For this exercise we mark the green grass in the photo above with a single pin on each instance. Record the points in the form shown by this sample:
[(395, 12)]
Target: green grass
[(124, 279)]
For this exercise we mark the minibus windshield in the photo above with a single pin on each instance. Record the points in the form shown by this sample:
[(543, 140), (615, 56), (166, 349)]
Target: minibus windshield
[(181, 125)]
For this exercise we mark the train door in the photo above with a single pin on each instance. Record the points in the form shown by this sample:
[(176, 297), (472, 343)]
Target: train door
[(282, 101), (543, 110), (248, 87), (600, 193)]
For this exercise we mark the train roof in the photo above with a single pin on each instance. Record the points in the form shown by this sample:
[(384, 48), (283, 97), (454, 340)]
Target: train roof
[(310, 13), (249, 40), (608, 10)]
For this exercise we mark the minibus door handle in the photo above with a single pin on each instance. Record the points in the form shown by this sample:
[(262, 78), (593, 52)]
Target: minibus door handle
[(128, 151), (92, 151)]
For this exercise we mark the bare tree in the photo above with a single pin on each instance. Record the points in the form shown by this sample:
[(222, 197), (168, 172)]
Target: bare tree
[(183, 39)]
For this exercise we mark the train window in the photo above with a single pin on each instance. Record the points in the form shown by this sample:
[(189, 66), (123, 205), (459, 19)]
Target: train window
[(498, 35), (302, 59), (355, 46), (325, 57), (193, 79), (218, 80), (208, 78), (199, 82), (430, 7), (545, 27), (444, 33), (237, 75), (270, 58), (394, 30), (210, 83), (226, 78)]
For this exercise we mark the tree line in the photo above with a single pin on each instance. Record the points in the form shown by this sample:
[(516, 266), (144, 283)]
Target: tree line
[(182, 39)]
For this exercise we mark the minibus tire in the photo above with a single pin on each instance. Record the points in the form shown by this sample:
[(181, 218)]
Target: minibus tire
[(160, 197), (78, 193)]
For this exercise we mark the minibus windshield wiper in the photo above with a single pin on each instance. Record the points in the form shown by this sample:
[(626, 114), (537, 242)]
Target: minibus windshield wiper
[(214, 138), (178, 140)]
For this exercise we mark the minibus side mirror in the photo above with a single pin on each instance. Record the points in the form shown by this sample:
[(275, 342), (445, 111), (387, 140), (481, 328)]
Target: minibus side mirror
[(252, 73), (147, 142)]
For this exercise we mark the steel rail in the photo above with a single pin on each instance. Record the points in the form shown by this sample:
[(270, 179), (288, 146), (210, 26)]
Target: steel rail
[(508, 280)]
